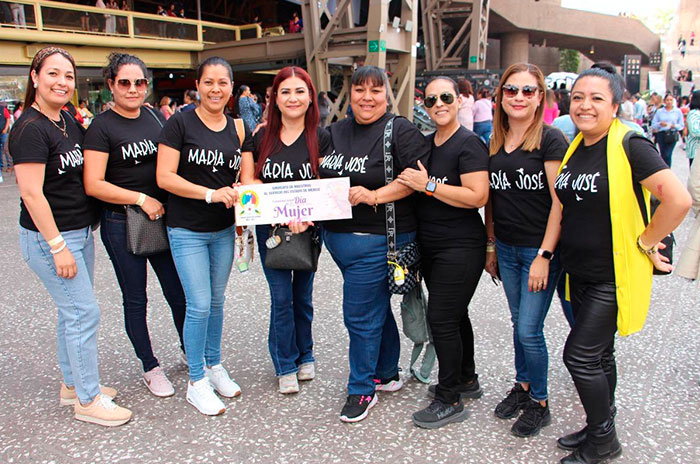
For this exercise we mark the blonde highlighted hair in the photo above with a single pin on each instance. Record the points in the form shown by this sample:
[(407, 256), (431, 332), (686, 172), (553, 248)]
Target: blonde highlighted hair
[(533, 136)]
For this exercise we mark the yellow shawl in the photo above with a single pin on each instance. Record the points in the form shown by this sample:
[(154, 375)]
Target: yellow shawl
[(633, 270)]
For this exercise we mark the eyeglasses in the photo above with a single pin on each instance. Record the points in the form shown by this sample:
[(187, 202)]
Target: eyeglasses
[(446, 97), (510, 90), (125, 84)]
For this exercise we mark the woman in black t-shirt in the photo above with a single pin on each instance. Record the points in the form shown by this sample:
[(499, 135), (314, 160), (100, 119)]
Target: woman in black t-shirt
[(55, 229), (120, 169), (609, 262), (522, 220), (288, 149), (453, 186), (198, 158), (359, 245)]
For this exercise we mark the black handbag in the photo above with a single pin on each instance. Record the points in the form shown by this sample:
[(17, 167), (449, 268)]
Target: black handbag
[(403, 267), (296, 252), (670, 136), (669, 240), (143, 236)]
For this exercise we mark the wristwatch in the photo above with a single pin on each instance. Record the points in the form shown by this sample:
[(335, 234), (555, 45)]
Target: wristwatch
[(430, 188), (546, 254)]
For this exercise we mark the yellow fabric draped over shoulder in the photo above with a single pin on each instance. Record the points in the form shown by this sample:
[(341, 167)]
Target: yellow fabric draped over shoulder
[(633, 270)]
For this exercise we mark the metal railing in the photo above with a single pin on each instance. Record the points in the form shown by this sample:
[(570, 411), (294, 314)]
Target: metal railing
[(88, 25)]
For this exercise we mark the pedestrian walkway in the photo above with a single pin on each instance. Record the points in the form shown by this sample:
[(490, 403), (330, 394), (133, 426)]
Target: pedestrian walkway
[(658, 391)]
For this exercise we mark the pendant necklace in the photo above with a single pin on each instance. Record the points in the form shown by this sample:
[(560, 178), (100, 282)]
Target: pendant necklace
[(63, 121)]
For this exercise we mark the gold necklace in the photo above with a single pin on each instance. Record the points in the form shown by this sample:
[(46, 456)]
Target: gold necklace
[(62, 129)]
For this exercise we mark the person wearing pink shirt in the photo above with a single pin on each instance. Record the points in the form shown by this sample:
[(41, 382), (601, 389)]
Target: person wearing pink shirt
[(483, 115), (551, 109)]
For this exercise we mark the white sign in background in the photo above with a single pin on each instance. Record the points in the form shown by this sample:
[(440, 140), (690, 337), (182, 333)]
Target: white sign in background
[(281, 202)]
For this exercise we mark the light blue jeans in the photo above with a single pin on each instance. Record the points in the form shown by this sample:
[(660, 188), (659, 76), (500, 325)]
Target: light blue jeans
[(203, 261), (78, 312)]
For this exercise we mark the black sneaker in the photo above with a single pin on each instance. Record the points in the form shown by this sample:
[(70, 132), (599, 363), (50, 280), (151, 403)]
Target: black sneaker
[(516, 400), (532, 420), (470, 390), (357, 406), (438, 414), (391, 384)]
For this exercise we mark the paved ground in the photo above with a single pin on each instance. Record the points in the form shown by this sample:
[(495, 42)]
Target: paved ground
[(658, 420)]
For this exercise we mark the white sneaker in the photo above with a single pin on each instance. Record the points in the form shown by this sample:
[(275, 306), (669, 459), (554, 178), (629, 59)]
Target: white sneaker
[(201, 395), (307, 371), (221, 382), (289, 384)]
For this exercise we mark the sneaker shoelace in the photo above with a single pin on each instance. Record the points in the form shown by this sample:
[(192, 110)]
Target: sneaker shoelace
[(106, 402), (532, 414), (512, 398)]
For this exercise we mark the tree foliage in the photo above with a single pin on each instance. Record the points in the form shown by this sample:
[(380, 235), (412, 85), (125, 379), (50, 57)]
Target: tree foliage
[(569, 60)]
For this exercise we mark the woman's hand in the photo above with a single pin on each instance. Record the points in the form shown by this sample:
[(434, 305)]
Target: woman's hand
[(297, 227), (491, 265), (539, 272), (659, 261), (65, 263), (359, 194), (226, 195), (417, 179), (153, 208)]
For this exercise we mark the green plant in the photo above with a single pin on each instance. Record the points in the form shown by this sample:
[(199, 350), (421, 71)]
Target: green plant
[(569, 60)]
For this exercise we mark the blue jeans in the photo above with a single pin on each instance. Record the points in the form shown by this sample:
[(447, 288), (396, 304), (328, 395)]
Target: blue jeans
[(291, 312), (78, 312), (131, 275), (374, 337), (203, 261), (483, 129), (528, 311), (3, 142), (665, 149)]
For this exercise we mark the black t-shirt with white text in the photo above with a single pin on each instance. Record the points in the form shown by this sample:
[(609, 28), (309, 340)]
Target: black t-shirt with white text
[(35, 139), (358, 154), (132, 146), (520, 196), (583, 189), (291, 162), (207, 158), (463, 153)]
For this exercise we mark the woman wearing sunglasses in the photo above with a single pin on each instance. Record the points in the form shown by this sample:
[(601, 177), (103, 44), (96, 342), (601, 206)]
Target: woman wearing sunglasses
[(453, 186), (198, 157), (609, 249), (359, 245), (120, 169), (55, 230), (523, 218)]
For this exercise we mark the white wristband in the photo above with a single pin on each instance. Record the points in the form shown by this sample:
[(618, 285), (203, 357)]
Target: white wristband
[(56, 240), (207, 197), (141, 200), (59, 249)]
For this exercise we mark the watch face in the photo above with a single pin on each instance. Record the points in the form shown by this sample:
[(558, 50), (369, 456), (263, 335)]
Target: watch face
[(546, 254), (431, 186)]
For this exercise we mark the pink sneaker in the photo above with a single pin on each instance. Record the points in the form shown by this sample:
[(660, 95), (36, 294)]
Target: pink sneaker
[(158, 383)]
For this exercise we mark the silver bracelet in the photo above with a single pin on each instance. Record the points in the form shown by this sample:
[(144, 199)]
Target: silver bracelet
[(208, 196)]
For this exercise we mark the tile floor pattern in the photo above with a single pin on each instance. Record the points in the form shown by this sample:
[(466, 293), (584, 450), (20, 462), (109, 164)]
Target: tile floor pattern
[(659, 410)]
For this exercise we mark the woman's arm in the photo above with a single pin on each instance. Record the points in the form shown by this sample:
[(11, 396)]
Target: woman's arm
[(392, 192), (95, 166), (473, 193), (656, 120), (248, 169), (30, 178), (168, 179), (539, 269), (679, 124)]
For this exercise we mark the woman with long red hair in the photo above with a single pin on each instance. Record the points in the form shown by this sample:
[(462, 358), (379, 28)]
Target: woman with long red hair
[(288, 149)]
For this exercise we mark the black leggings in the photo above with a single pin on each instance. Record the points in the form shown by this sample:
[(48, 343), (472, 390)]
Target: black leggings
[(589, 353), (451, 275)]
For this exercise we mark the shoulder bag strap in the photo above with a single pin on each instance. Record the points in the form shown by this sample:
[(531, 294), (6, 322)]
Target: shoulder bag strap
[(240, 130), (154, 116), (635, 185), (388, 178)]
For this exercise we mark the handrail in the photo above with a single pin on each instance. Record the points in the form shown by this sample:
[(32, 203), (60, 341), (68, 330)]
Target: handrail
[(131, 31)]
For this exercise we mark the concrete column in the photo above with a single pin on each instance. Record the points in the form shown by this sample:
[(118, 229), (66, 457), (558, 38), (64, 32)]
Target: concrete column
[(515, 48)]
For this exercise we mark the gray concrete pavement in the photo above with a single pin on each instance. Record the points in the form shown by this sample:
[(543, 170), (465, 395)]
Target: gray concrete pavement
[(658, 391)]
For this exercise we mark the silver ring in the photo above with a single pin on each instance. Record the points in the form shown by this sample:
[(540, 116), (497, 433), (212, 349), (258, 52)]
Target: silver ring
[(157, 216)]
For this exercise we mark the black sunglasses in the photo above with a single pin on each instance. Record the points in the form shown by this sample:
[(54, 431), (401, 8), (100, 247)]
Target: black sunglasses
[(125, 84), (511, 90), (446, 97)]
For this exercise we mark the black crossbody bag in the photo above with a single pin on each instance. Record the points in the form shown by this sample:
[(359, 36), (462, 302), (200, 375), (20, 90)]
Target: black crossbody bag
[(143, 236), (403, 266)]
